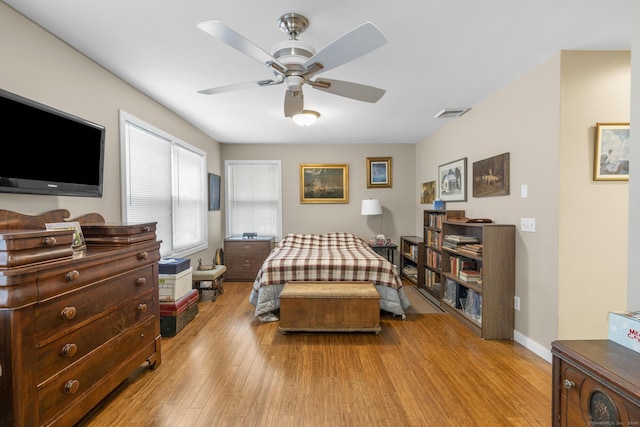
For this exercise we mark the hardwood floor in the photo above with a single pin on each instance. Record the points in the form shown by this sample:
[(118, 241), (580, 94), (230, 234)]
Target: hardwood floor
[(227, 369)]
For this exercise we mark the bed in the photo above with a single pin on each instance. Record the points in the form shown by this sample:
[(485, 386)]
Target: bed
[(336, 257)]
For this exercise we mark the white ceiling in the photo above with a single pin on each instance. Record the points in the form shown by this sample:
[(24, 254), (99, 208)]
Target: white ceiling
[(440, 54)]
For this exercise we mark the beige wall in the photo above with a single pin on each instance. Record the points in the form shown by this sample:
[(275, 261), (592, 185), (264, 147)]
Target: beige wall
[(398, 217), (41, 67), (593, 242), (545, 121)]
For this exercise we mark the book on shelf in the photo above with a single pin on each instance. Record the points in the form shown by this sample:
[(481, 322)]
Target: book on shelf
[(472, 248), (461, 238), (459, 264), (471, 276)]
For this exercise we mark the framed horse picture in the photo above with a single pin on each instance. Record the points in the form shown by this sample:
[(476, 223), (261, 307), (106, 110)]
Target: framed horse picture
[(491, 176)]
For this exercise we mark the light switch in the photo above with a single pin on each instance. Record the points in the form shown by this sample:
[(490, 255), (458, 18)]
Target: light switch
[(524, 191), (528, 225)]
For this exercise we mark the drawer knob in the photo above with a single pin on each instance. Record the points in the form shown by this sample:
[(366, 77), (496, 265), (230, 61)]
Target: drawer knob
[(247, 264), (49, 242), (142, 308), (568, 384), (143, 255), (72, 275), (68, 313), (69, 350), (140, 281), (146, 228), (71, 386)]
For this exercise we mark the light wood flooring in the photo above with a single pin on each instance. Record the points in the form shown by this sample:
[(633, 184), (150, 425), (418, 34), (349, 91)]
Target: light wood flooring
[(227, 369)]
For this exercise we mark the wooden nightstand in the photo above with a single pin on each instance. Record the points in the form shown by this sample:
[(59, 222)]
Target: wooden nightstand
[(386, 251), (244, 257)]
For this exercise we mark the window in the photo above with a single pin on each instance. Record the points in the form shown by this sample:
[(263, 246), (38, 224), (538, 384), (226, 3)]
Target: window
[(253, 197), (164, 181)]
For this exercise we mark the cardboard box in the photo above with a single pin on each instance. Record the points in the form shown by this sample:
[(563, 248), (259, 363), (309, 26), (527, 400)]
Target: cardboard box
[(624, 329), (173, 265), (174, 286), (176, 315)]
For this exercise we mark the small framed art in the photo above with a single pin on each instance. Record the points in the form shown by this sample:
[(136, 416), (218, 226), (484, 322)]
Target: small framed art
[(611, 159), (379, 172), (452, 181), (214, 192)]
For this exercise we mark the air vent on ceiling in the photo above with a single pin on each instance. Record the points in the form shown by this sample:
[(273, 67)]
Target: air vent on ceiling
[(451, 112)]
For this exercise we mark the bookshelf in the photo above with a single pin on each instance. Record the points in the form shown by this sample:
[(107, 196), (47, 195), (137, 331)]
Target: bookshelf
[(433, 221), (411, 259), (482, 301)]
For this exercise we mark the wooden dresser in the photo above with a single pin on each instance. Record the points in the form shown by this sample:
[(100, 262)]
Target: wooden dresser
[(244, 257), (73, 324), (595, 382)]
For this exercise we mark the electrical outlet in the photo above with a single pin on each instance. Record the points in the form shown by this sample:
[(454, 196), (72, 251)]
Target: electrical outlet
[(516, 303), (528, 224)]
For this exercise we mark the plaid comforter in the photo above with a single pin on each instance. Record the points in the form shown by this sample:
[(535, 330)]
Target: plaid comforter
[(325, 257)]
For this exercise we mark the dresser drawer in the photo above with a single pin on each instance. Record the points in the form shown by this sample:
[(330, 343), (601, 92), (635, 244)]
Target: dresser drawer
[(244, 257), (79, 273), (21, 247), (61, 315), (68, 349), (67, 388)]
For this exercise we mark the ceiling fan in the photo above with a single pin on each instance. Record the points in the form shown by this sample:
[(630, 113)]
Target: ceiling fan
[(296, 63)]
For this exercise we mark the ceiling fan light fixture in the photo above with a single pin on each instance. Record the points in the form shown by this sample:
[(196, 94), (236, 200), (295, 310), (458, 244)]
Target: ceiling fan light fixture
[(306, 118)]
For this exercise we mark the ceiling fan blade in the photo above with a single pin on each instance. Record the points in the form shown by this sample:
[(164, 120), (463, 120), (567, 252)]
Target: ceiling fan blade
[(354, 44), (239, 86), (237, 41), (293, 103), (348, 89)]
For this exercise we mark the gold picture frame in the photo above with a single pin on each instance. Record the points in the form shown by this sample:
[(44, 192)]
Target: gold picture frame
[(379, 173), (611, 159), (324, 183)]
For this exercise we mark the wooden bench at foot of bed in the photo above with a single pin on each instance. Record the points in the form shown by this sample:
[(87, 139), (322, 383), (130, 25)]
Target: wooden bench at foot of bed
[(329, 307)]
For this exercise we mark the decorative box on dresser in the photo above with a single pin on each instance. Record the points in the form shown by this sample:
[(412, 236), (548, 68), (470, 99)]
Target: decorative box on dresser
[(595, 383), (244, 257), (73, 324), (433, 220)]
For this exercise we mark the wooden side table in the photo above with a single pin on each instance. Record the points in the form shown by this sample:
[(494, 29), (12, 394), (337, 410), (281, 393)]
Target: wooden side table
[(387, 251)]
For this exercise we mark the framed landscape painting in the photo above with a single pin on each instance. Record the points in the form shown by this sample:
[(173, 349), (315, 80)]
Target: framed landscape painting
[(452, 181), (611, 160), (324, 183), (491, 176)]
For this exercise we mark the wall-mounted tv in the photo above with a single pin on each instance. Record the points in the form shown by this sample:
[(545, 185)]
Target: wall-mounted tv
[(48, 151)]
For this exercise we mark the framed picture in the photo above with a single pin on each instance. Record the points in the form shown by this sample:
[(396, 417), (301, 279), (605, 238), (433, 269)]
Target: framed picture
[(323, 183), (452, 181), (214, 192), (378, 172), (428, 193), (491, 176), (78, 242), (611, 160)]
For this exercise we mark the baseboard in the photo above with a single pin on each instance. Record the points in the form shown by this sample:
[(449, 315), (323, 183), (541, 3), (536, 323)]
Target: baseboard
[(532, 346)]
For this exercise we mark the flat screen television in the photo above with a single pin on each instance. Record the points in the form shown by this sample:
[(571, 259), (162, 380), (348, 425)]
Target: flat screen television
[(48, 151)]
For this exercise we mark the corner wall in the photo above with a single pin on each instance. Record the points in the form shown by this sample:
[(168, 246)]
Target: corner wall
[(530, 118)]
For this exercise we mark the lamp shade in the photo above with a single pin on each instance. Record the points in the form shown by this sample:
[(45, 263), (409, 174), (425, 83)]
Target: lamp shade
[(371, 207)]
